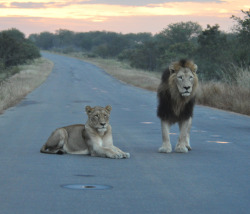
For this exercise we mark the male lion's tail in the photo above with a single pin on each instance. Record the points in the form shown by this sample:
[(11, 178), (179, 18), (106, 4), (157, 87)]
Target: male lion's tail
[(44, 149)]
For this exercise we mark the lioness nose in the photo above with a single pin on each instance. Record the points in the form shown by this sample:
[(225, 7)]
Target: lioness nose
[(187, 87), (103, 124)]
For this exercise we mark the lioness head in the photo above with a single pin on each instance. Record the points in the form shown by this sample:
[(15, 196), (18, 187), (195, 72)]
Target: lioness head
[(183, 75), (98, 117)]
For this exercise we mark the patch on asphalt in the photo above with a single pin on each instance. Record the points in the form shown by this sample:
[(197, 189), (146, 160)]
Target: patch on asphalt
[(27, 102), (86, 186)]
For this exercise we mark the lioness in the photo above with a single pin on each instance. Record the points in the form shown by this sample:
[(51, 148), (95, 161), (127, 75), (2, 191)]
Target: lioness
[(176, 99), (94, 138)]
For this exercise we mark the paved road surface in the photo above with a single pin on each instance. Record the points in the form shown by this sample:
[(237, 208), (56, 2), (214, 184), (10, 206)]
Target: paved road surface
[(212, 178)]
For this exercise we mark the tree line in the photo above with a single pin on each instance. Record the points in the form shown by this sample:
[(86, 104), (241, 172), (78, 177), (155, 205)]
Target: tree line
[(212, 49)]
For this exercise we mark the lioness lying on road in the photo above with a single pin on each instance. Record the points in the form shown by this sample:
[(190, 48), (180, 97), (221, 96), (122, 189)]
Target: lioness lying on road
[(94, 138)]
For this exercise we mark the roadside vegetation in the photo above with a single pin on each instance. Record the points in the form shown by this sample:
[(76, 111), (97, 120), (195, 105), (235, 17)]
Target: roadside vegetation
[(29, 77), (21, 68)]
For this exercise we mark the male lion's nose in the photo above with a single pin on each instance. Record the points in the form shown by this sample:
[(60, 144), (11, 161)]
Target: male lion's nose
[(187, 87), (103, 124)]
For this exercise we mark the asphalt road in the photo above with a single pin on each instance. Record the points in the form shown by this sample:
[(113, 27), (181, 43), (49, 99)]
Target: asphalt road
[(212, 178)]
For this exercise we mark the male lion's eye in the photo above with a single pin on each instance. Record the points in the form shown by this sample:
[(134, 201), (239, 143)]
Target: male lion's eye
[(96, 116), (190, 77), (179, 77)]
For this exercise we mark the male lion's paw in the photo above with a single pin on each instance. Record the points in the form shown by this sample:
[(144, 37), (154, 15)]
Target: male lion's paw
[(126, 155), (189, 148), (165, 149), (181, 148)]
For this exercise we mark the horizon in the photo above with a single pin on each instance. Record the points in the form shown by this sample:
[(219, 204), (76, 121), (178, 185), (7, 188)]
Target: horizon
[(36, 16)]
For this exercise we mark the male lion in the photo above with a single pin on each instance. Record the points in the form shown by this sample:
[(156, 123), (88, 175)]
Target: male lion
[(94, 138), (176, 99)]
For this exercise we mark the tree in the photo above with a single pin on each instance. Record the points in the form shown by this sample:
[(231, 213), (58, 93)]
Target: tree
[(178, 40), (15, 49), (145, 56), (180, 32), (64, 38), (213, 52), (242, 50), (44, 40)]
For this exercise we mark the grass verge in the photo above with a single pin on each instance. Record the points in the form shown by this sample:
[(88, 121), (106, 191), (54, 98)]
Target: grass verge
[(233, 97), (16, 87), (123, 72), (225, 96)]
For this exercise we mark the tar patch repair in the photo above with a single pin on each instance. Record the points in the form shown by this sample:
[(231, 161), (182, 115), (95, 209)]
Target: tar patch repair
[(86, 186)]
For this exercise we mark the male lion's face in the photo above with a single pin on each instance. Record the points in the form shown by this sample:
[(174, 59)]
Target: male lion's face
[(98, 117), (185, 81), (183, 74)]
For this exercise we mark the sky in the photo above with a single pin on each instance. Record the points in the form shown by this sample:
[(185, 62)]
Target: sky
[(122, 16)]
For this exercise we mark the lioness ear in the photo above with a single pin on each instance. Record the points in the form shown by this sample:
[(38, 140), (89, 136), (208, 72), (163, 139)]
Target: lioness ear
[(88, 109), (108, 108), (195, 68)]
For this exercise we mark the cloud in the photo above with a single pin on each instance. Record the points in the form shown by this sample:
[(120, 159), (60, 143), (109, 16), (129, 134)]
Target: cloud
[(110, 16), (120, 24), (141, 2), (43, 4), (28, 5), (80, 9)]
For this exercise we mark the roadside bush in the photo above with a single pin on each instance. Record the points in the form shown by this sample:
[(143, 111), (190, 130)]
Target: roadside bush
[(15, 49)]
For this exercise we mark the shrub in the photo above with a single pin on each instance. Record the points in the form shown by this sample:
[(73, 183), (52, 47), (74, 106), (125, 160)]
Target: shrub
[(15, 49)]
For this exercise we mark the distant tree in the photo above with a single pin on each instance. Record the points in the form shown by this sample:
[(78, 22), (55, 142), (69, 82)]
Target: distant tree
[(242, 49), (180, 32), (213, 52), (64, 38), (145, 56), (15, 49), (44, 40), (178, 40)]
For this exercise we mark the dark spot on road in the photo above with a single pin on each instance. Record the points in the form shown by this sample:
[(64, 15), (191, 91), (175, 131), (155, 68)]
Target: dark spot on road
[(27, 102), (81, 101), (86, 186), (85, 175)]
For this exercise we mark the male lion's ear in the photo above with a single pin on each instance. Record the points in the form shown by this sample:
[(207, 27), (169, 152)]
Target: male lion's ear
[(195, 68), (108, 108), (88, 109), (172, 67)]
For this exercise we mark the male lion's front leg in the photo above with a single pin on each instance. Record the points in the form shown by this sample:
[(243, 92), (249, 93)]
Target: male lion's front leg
[(166, 145), (183, 144)]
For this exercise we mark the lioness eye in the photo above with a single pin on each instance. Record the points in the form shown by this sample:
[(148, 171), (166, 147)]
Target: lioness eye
[(191, 78), (96, 115), (180, 77)]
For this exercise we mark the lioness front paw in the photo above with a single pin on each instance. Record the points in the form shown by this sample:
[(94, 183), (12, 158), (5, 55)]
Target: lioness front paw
[(165, 149), (115, 156), (181, 148)]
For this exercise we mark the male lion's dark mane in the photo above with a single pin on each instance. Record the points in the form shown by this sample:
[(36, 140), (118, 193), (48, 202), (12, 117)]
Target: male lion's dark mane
[(167, 102)]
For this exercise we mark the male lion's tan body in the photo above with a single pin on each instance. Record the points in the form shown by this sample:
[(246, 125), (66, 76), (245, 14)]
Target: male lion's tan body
[(94, 138), (176, 96)]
